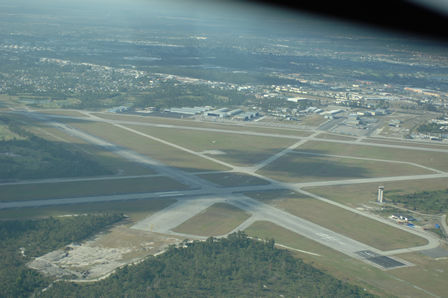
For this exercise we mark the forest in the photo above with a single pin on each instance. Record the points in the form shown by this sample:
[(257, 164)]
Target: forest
[(31, 157), (236, 266), (426, 201), (22, 240)]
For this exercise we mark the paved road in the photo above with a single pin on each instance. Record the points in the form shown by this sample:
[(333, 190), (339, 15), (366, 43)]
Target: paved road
[(169, 218), (80, 179), (370, 159), (258, 209), (252, 133)]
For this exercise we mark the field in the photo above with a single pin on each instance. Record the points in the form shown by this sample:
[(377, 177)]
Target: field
[(429, 273), (240, 150), (355, 226), (40, 191), (64, 112), (135, 209), (107, 159), (382, 283), (153, 149), (405, 143), (234, 126), (297, 167), (335, 137), (310, 162), (313, 120), (218, 219), (232, 179), (359, 194), (437, 160), (6, 134)]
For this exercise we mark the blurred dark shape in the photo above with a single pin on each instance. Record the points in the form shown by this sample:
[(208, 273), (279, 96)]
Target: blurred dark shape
[(405, 17)]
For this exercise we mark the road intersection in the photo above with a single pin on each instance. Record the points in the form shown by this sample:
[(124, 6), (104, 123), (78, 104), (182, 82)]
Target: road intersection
[(203, 193)]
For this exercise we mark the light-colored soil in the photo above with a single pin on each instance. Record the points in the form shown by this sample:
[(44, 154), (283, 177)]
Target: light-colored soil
[(100, 256)]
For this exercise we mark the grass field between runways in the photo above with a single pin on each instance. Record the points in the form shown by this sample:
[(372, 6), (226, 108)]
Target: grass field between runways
[(379, 282), (356, 195), (166, 154), (106, 158), (296, 167), (40, 191), (232, 126), (240, 150), (437, 160), (232, 179), (219, 219), (355, 226), (135, 209)]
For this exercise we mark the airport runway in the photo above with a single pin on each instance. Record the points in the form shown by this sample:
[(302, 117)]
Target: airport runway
[(252, 133), (204, 193)]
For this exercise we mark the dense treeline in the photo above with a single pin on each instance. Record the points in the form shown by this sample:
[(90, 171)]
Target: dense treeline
[(173, 94), (430, 128), (231, 267), (426, 201), (22, 240), (35, 157)]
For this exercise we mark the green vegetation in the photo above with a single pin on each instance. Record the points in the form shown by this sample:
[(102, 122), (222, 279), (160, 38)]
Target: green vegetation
[(356, 195), (173, 94), (241, 150), (233, 266), (335, 137), (437, 160), (297, 167), (135, 209), (23, 240), (243, 127), (431, 128), (218, 219), (429, 273), (426, 201), (232, 179), (35, 157), (383, 283), (146, 146), (38, 191), (109, 160), (358, 227)]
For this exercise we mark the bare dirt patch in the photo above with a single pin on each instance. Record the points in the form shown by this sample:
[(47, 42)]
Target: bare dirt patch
[(99, 256)]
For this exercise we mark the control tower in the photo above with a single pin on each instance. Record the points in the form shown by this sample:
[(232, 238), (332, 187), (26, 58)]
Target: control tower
[(380, 194)]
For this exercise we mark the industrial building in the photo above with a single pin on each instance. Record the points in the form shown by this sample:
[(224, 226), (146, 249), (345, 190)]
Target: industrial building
[(188, 110)]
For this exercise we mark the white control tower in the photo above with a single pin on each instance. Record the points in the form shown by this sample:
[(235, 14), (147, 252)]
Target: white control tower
[(380, 194)]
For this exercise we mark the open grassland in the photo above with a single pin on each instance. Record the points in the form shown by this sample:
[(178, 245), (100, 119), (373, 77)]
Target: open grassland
[(232, 179), (218, 219), (40, 191), (313, 120), (107, 159), (296, 167), (429, 273), (61, 112), (358, 194), (405, 143), (355, 226), (234, 126), (166, 154), (135, 209), (437, 160), (382, 283), (241, 150), (335, 137), (6, 134)]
